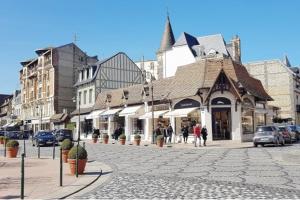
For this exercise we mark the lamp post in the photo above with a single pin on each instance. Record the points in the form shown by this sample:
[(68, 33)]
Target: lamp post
[(39, 106), (78, 135), (147, 93)]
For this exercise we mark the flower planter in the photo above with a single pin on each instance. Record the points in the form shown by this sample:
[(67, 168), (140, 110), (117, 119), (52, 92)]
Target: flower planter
[(1, 141), (122, 141), (65, 155), (95, 140), (160, 143), (137, 142), (81, 166), (12, 152), (105, 140)]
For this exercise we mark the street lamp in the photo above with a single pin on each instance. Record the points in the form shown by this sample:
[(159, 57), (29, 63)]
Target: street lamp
[(147, 93), (41, 114), (78, 135)]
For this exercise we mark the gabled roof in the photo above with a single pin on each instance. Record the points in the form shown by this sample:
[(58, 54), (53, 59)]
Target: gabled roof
[(168, 39), (215, 42), (186, 39)]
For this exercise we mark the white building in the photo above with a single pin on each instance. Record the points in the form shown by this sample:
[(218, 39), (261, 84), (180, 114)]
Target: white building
[(150, 68)]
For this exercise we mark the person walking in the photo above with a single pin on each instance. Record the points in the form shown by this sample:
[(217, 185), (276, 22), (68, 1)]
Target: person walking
[(165, 132), (204, 135), (197, 134), (185, 133), (116, 134), (170, 132)]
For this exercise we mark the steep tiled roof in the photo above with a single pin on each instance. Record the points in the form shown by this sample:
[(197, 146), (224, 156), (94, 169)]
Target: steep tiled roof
[(186, 39), (168, 37)]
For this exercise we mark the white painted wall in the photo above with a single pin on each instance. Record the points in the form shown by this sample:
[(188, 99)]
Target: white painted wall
[(86, 88), (176, 57)]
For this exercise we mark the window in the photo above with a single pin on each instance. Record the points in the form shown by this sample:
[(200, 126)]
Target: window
[(48, 91), (82, 77), (40, 93), (90, 95), (88, 73), (79, 97), (84, 97)]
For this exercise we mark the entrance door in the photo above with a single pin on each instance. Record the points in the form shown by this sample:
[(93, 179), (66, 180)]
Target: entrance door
[(221, 123)]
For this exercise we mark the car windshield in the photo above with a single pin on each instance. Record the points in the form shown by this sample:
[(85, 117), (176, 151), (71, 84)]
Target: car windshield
[(264, 128), (44, 134), (66, 132), (264, 133), (281, 128)]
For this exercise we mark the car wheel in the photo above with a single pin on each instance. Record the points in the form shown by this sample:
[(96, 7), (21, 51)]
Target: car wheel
[(255, 144), (262, 145)]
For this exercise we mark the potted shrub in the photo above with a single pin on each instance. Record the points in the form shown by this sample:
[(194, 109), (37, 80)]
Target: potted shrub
[(122, 139), (1, 139), (137, 139), (82, 158), (5, 140), (105, 138), (12, 148), (160, 140), (95, 138), (66, 145)]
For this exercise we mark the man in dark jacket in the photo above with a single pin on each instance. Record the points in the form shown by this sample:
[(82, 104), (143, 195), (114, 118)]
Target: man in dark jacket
[(204, 135), (170, 133)]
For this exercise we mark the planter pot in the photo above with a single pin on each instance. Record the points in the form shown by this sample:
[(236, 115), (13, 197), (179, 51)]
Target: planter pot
[(2, 141), (65, 155), (122, 141), (95, 140), (12, 152), (105, 140), (81, 166), (160, 143), (137, 142)]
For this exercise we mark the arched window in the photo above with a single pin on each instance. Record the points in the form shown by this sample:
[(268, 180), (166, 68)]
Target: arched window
[(220, 101)]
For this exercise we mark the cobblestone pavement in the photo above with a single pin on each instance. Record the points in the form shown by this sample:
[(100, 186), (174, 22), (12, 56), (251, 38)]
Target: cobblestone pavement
[(148, 172)]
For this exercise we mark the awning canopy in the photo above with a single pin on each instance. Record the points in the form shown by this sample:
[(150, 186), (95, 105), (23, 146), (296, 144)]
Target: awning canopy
[(6, 125), (133, 110), (157, 114), (180, 112), (58, 118), (95, 114), (12, 124), (111, 112), (261, 111)]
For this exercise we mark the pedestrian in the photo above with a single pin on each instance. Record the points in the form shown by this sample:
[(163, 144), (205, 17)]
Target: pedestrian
[(170, 132), (204, 135), (185, 133), (197, 134), (157, 131), (165, 133), (116, 134)]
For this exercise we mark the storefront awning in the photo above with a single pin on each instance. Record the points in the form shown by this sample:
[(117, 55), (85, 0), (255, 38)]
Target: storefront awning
[(111, 112), (157, 114), (180, 112), (6, 125), (261, 111), (95, 114), (133, 110), (12, 124)]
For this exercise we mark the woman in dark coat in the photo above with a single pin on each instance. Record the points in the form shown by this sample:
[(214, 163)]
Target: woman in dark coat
[(204, 135), (185, 133)]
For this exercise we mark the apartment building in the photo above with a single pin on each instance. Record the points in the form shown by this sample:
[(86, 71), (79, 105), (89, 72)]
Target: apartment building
[(47, 84)]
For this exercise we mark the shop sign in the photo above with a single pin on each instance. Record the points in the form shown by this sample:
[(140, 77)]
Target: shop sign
[(220, 101), (187, 103)]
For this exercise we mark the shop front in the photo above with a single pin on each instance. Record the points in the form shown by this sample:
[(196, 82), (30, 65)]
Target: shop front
[(110, 120), (186, 113)]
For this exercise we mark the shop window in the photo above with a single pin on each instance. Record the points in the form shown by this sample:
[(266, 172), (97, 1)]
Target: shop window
[(220, 101)]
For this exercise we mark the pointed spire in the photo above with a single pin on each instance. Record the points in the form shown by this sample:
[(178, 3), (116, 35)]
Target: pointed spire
[(168, 38), (286, 61)]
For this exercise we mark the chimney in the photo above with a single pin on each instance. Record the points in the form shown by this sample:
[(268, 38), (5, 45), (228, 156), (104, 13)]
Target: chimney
[(236, 48)]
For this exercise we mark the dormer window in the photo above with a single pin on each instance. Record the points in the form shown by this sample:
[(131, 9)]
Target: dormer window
[(82, 75), (87, 73)]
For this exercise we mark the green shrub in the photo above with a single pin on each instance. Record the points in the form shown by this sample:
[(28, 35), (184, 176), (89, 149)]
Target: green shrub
[(137, 137), (123, 137), (12, 143), (67, 144), (95, 135), (105, 135), (82, 153), (160, 137), (1, 137)]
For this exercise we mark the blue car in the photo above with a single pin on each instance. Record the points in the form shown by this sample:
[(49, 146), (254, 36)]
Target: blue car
[(44, 138)]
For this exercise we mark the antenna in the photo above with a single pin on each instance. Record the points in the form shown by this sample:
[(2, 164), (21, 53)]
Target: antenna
[(75, 38)]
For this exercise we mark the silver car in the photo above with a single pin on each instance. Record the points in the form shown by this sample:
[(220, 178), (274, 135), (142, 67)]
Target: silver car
[(268, 135)]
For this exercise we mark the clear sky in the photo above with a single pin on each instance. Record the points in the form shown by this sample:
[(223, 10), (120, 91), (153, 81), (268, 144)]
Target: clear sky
[(268, 29)]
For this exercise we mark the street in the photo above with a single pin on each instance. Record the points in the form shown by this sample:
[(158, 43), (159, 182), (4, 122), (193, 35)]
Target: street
[(150, 172)]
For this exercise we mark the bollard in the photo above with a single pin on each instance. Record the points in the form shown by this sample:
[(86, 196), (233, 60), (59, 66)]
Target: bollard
[(24, 147), (77, 160), (60, 169), (38, 150), (53, 152), (22, 176), (5, 141), (83, 144)]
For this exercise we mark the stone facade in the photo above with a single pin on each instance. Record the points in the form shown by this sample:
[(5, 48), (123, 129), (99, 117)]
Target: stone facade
[(282, 83)]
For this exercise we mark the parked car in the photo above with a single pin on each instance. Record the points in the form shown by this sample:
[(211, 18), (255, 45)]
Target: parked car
[(13, 135), (62, 134), (23, 135), (296, 130), (265, 135), (288, 135), (44, 138), (2, 133)]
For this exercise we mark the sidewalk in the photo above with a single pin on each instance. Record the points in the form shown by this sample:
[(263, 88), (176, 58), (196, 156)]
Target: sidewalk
[(42, 178)]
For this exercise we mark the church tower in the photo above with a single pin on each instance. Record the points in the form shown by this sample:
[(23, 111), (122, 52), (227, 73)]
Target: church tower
[(166, 44)]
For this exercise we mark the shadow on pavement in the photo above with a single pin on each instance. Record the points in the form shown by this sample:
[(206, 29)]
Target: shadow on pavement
[(97, 173), (10, 197)]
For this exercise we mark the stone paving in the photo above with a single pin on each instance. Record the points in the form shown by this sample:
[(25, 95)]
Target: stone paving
[(193, 173)]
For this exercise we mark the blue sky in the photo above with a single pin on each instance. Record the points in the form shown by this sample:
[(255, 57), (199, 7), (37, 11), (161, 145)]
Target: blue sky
[(268, 29)]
